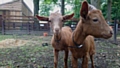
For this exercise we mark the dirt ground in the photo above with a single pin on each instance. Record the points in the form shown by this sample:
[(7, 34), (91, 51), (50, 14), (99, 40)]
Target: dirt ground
[(34, 54)]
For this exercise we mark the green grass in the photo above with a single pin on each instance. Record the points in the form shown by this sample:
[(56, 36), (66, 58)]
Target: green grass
[(3, 37), (34, 55), (23, 56)]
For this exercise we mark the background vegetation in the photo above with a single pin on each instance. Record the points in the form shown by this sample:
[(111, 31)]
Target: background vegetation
[(110, 8)]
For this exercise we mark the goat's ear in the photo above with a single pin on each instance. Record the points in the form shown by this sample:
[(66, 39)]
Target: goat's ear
[(41, 18), (84, 9), (66, 17)]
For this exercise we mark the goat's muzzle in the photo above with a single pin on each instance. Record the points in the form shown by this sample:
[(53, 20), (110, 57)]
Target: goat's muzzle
[(56, 31)]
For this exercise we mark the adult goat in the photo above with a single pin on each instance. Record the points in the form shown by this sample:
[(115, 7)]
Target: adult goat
[(81, 44)]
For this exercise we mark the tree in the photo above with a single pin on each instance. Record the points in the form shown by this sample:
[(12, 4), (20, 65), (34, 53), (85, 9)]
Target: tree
[(111, 9), (115, 13), (96, 3), (45, 7), (76, 8), (62, 7), (36, 6), (109, 2)]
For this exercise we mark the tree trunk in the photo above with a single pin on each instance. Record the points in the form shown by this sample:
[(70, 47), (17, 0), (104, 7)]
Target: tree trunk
[(62, 6), (109, 10), (96, 3), (36, 6), (36, 9)]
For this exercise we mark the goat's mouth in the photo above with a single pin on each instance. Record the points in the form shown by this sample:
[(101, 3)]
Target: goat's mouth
[(56, 33), (107, 36)]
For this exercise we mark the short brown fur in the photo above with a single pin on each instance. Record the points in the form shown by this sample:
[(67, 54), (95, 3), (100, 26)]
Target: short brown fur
[(92, 23), (60, 35), (61, 45)]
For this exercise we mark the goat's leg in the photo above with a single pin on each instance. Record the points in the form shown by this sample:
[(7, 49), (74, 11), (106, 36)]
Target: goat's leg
[(74, 62), (56, 52), (65, 59), (85, 61), (92, 63)]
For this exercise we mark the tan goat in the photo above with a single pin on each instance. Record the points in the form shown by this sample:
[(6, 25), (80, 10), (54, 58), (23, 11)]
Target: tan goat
[(81, 43), (60, 35)]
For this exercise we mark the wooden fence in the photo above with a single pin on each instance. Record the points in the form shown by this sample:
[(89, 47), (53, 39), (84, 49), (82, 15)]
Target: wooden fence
[(22, 25), (30, 25), (26, 25)]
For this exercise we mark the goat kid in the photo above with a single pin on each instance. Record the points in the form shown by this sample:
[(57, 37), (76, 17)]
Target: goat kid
[(60, 35)]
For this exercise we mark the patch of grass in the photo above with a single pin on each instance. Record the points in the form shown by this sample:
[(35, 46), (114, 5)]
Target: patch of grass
[(34, 55), (107, 44), (31, 53), (3, 37), (21, 56)]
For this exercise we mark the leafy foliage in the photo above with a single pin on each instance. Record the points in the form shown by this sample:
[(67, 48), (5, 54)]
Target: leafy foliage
[(115, 13), (48, 5), (76, 9), (45, 6), (104, 8), (115, 9)]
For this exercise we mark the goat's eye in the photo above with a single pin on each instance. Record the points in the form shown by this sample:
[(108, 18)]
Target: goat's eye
[(62, 20), (95, 20), (49, 20)]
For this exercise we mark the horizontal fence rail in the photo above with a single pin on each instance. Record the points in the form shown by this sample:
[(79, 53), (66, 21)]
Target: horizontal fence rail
[(22, 25), (11, 24)]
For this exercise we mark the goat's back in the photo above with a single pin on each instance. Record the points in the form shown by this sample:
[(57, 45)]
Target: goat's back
[(66, 33), (66, 29)]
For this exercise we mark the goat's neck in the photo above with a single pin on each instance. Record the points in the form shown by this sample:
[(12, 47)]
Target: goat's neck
[(57, 37), (78, 34)]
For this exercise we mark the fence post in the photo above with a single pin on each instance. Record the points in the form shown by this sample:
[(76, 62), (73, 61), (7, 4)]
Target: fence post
[(14, 25), (22, 27), (3, 27), (115, 33), (28, 27)]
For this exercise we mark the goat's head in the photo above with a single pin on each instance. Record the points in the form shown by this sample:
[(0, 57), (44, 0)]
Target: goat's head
[(93, 22), (55, 20)]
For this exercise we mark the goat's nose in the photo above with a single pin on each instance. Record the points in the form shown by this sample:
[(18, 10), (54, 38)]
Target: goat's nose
[(56, 29), (111, 32)]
